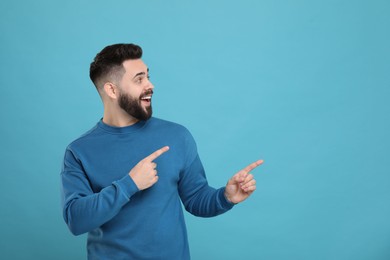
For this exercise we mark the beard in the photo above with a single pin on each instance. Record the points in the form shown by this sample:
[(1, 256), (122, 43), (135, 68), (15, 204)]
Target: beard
[(133, 107)]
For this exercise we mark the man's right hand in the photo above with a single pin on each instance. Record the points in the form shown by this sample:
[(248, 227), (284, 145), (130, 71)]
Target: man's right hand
[(144, 174)]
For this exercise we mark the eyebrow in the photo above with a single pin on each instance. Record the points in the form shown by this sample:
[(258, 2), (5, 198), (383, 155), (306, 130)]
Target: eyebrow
[(140, 73)]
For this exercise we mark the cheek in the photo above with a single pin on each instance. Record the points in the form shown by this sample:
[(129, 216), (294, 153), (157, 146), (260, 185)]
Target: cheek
[(134, 94)]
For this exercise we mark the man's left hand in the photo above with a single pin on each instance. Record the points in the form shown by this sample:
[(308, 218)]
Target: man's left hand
[(242, 184)]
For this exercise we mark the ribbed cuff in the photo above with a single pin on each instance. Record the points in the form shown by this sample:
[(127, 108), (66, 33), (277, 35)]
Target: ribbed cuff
[(127, 186), (223, 200)]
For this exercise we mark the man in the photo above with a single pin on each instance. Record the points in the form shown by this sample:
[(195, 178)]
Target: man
[(124, 180)]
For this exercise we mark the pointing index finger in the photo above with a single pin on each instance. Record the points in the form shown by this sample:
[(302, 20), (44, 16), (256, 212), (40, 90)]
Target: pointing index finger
[(157, 153), (251, 166)]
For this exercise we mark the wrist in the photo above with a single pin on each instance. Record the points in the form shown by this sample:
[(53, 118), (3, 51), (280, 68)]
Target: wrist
[(228, 198)]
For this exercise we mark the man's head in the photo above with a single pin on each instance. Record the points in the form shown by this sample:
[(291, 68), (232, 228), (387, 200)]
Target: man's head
[(108, 63), (121, 77)]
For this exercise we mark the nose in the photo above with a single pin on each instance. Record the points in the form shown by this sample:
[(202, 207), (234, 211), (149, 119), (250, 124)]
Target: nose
[(149, 85)]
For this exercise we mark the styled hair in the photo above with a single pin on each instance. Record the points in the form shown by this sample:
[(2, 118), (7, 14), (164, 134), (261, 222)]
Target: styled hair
[(108, 63)]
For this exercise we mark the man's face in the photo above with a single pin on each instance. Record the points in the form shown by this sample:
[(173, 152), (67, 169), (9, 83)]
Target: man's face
[(136, 90)]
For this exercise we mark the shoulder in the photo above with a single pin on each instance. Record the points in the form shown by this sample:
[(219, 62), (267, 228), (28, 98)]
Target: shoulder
[(165, 125), (177, 137), (169, 130), (86, 137)]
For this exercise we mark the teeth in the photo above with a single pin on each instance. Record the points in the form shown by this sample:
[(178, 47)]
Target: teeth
[(146, 98)]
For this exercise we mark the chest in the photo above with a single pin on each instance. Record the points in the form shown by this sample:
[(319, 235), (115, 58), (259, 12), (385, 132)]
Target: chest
[(104, 164)]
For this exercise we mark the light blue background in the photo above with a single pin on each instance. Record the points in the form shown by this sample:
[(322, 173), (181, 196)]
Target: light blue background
[(304, 85)]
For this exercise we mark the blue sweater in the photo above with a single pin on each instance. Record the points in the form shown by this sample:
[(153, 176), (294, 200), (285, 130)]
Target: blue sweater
[(99, 196)]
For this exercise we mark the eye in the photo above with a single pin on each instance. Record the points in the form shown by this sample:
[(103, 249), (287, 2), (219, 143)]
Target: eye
[(138, 80), (141, 78)]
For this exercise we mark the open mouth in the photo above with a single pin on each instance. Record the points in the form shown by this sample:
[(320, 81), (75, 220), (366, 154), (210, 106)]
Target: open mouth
[(146, 99)]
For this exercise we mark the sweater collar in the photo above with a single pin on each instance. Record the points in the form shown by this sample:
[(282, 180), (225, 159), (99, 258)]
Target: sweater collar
[(122, 130)]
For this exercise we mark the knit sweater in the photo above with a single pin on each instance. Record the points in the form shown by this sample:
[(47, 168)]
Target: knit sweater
[(99, 196)]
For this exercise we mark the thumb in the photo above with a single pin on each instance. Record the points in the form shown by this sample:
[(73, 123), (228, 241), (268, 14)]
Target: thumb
[(236, 179)]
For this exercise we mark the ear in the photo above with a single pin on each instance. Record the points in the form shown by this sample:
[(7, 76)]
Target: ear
[(111, 90)]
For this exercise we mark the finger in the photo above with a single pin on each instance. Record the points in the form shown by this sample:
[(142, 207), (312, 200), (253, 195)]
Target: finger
[(154, 165), (248, 184), (235, 179), (251, 166), (239, 177), (154, 180), (247, 179), (250, 188), (157, 153)]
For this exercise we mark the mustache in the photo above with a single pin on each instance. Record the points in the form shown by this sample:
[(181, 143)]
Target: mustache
[(147, 93)]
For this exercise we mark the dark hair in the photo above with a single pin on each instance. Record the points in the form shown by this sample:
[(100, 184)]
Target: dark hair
[(107, 65)]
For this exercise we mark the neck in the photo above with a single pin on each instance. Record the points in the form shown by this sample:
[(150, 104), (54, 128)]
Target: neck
[(118, 118)]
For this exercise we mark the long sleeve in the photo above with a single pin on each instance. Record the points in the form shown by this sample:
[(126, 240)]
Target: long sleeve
[(197, 196), (84, 210)]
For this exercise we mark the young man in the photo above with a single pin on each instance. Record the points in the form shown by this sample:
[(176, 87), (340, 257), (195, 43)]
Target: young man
[(124, 180)]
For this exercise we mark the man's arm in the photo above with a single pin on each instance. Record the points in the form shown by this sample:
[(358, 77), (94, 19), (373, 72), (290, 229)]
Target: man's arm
[(202, 200), (197, 196), (84, 210)]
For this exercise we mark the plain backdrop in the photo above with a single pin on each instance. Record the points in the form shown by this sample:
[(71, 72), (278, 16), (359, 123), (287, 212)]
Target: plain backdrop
[(304, 85)]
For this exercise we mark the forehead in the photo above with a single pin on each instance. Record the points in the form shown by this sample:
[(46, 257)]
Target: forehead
[(133, 67)]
